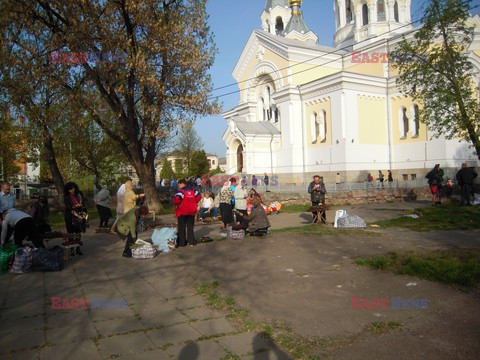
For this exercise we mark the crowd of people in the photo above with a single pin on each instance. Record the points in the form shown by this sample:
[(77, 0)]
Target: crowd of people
[(236, 205), (465, 178)]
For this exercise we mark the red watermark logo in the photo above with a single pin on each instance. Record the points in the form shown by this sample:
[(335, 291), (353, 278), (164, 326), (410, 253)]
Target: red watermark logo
[(393, 303), (95, 303), (359, 57), (65, 57)]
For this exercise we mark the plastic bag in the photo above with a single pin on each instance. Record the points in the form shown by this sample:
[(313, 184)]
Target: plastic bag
[(165, 239)]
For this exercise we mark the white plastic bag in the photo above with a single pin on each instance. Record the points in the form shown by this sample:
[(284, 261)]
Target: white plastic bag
[(338, 215)]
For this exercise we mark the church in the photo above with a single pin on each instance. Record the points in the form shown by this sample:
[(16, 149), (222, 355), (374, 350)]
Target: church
[(308, 109)]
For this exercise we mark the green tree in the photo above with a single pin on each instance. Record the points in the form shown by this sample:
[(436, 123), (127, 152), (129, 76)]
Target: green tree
[(443, 84), (10, 138), (199, 164), (167, 171), (152, 75), (179, 167), (188, 141)]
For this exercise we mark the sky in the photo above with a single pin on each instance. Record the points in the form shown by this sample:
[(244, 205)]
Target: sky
[(232, 22)]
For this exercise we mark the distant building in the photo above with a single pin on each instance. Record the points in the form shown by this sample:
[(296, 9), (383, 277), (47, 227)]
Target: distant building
[(179, 163), (222, 162), (306, 109)]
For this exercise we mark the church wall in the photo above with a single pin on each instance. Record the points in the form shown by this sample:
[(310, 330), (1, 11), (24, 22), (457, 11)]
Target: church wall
[(374, 69), (304, 73), (396, 104), (269, 57), (318, 107), (372, 124)]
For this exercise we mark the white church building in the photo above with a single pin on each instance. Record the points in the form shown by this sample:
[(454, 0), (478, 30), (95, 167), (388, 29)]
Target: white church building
[(308, 109)]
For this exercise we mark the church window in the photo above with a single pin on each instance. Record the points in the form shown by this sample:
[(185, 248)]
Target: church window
[(381, 16), (267, 103), (416, 121), (279, 25), (403, 123), (365, 14), (277, 115), (348, 10), (322, 126), (314, 126), (395, 12)]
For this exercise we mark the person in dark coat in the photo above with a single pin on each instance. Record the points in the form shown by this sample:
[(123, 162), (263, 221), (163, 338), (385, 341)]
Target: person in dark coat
[(465, 177), (40, 213), (435, 179), (317, 192), (75, 217), (258, 219)]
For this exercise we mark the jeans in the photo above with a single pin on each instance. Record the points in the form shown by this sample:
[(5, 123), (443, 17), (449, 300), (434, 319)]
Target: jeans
[(213, 212)]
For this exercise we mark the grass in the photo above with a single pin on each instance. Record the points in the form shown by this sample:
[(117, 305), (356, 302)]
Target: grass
[(443, 217), (295, 208), (321, 230), (384, 327), (298, 346), (459, 267), (57, 218)]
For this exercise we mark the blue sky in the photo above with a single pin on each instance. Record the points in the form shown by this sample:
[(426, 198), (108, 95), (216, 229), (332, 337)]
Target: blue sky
[(232, 22)]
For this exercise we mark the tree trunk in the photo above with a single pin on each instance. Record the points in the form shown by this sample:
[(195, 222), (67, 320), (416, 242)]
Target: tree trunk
[(52, 163), (146, 175)]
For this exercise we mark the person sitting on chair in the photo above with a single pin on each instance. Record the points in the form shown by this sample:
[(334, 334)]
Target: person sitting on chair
[(258, 222), (317, 191), (207, 206)]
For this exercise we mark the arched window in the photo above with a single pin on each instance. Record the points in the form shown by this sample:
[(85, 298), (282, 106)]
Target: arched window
[(403, 123), (348, 11), (322, 126), (279, 25), (416, 121), (267, 104), (314, 126), (395, 12), (365, 14), (381, 15)]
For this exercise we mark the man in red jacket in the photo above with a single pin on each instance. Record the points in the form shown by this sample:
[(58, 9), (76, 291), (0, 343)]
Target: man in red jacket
[(185, 202)]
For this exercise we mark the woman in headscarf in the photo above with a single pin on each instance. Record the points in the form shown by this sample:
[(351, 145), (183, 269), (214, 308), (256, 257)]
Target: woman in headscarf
[(127, 227), (130, 198), (225, 197)]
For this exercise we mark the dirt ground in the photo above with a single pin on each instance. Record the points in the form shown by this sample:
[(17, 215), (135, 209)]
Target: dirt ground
[(308, 282)]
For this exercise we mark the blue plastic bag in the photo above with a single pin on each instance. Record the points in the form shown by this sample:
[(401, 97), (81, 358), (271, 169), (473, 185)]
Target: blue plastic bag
[(165, 239)]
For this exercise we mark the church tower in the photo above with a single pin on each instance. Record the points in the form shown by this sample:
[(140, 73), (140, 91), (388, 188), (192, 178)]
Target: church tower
[(284, 18), (360, 20), (276, 16), (296, 27)]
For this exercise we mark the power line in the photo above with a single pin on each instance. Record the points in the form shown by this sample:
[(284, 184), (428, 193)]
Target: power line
[(318, 57)]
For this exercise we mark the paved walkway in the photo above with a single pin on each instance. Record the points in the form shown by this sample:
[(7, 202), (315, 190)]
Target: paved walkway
[(164, 318)]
